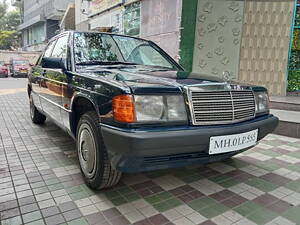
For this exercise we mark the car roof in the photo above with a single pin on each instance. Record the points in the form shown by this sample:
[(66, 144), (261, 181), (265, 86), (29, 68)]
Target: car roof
[(94, 32)]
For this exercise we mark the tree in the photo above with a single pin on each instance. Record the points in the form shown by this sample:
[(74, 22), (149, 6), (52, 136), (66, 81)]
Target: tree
[(9, 36), (3, 8), (8, 39), (10, 21)]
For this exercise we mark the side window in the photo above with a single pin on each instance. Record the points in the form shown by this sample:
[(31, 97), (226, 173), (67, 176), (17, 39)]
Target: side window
[(60, 49), (49, 49)]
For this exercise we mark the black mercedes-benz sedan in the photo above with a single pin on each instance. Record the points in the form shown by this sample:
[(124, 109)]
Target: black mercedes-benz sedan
[(130, 106)]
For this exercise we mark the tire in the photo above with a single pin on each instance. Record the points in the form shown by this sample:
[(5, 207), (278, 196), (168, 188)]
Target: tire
[(35, 115), (92, 154)]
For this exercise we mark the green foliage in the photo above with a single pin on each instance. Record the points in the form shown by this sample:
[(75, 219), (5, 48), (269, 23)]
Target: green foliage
[(9, 36), (296, 40), (294, 62), (8, 39), (297, 17), (293, 81)]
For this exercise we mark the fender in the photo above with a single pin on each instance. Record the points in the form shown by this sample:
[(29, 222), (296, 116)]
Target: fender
[(74, 99), (78, 95)]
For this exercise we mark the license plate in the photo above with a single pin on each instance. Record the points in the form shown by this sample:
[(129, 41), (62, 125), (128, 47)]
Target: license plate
[(234, 142), (23, 71)]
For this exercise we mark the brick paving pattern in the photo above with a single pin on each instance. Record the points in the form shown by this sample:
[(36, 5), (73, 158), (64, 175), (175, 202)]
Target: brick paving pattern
[(40, 182)]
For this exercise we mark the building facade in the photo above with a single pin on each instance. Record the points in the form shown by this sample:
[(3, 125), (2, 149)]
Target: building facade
[(40, 21)]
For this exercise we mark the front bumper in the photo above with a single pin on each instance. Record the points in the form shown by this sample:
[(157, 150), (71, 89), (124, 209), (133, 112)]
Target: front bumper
[(151, 149)]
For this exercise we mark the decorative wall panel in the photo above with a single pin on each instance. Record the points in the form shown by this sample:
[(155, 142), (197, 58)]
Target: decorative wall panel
[(265, 43), (218, 37)]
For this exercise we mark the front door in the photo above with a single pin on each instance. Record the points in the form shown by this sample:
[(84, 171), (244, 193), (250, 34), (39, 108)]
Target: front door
[(53, 82)]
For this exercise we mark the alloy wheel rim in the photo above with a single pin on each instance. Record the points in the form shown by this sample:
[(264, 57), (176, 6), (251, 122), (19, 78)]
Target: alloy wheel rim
[(87, 151)]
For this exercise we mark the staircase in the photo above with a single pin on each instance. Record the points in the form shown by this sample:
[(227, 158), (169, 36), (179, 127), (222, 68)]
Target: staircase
[(287, 109)]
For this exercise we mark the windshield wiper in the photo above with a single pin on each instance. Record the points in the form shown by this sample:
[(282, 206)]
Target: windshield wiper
[(97, 62)]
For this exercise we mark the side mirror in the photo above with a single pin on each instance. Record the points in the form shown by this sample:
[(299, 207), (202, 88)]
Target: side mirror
[(31, 64), (53, 63)]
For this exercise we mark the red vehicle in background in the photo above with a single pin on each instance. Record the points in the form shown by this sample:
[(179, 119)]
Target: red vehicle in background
[(3, 69), (19, 67)]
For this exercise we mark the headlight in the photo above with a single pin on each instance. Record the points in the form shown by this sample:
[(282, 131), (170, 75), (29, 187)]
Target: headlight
[(149, 108), (176, 108), (159, 108), (262, 102)]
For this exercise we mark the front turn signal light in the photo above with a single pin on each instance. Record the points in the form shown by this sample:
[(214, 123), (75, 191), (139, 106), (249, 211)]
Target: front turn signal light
[(123, 109)]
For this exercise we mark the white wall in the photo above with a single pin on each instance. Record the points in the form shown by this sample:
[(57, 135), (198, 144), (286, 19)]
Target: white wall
[(160, 22)]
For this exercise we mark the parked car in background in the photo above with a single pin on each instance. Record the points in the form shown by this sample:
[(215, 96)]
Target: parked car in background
[(132, 108), (3, 69), (19, 67)]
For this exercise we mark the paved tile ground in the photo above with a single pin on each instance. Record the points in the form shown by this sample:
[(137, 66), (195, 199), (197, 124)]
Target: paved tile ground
[(40, 182)]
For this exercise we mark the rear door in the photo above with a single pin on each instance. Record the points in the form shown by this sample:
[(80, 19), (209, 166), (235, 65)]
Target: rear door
[(53, 81)]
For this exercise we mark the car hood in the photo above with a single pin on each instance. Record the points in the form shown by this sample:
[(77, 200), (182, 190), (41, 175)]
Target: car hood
[(141, 79)]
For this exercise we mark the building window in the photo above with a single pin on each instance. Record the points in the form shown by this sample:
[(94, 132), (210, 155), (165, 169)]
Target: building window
[(132, 19)]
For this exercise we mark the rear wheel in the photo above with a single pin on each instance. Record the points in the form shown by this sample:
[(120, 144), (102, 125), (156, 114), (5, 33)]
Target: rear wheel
[(92, 154), (35, 115)]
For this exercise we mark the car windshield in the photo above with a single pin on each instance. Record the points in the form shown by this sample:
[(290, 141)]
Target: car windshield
[(107, 49), (2, 63), (21, 62)]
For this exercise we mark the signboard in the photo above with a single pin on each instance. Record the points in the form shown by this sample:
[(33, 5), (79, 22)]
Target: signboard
[(98, 6)]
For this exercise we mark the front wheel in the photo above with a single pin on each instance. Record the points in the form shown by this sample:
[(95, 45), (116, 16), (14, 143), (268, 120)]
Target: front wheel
[(35, 115), (93, 158)]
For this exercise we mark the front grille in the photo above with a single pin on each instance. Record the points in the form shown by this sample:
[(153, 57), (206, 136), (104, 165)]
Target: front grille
[(221, 107)]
